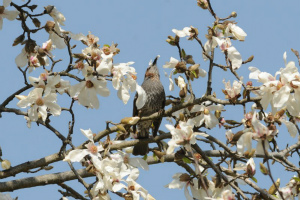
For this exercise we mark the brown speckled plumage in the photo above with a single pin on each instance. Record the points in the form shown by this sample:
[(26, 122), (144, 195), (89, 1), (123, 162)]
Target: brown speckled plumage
[(155, 102)]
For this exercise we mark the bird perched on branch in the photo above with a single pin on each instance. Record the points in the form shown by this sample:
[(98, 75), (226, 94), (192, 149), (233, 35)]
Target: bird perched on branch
[(155, 103)]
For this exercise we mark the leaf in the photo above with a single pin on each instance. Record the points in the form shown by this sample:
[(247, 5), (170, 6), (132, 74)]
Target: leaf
[(186, 160), (296, 179), (183, 53), (194, 73), (254, 179)]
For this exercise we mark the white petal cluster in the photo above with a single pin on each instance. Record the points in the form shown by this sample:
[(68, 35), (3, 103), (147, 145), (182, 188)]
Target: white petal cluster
[(8, 14), (39, 104), (281, 92), (114, 172)]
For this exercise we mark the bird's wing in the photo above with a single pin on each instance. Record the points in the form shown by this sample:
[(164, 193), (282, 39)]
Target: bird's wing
[(135, 111), (157, 122)]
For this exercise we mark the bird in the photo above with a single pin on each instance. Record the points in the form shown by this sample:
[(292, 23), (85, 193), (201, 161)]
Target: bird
[(155, 102)]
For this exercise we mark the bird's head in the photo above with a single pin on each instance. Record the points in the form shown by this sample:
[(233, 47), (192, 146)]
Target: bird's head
[(152, 70)]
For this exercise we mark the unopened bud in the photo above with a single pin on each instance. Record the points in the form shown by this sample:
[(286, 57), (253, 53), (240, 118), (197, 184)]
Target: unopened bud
[(263, 169), (30, 46), (49, 26), (49, 9), (79, 56), (180, 67), (2, 8), (182, 93), (189, 59), (203, 4), (121, 128), (176, 40), (249, 83), (19, 40), (130, 120), (194, 31), (280, 113), (47, 168), (36, 22), (184, 177), (5, 164), (273, 189), (234, 14), (20, 97)]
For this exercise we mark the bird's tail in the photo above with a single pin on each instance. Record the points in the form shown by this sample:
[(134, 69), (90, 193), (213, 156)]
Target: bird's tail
[(140, 149)]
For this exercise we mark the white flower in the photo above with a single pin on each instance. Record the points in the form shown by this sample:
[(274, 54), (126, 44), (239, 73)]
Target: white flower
[(183, 134), (56, 40), (86, 91), (249, 167), (234, 30), (206, 117), (233, 55), (173, 62), (22, 59), (124, 80), (91, 149), (56, 84), (39, 104), (235, 90), (56, 15), (8, 14), (182, 33)]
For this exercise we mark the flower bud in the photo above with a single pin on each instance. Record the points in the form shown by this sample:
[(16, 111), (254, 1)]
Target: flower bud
[(180, 67), (234, 14), (189, 59), (121, 128), (263, 169), (36, 22), (49, 9), (30, 46), (202, 3), (5, 164), (184, 177), (273, 189), (130, 120), (47, 168), (182, 93), (49, 26), (194, 31), (2, 8), (19, 40)]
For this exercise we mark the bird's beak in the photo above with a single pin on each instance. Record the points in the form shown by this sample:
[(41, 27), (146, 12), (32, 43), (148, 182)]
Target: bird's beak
[(155, 60)]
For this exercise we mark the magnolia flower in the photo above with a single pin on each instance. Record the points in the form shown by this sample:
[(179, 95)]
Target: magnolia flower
[(181, 180), (234, 90), (56, 15), (37, 82), (56, 84), (235, 31), (8, 14), (106, 64), (124, 80), (92, 150), (39, 104), (86, 91), (137, 190), (206, 117), (182, 33), (22, 59), (249, 167), (183, 134), (233, 55), (56, 40)]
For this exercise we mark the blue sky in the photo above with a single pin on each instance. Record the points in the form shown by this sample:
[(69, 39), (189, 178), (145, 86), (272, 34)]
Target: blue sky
[(140, 28)]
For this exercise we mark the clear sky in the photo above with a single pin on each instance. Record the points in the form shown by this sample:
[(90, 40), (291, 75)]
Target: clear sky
[(140, 28)]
